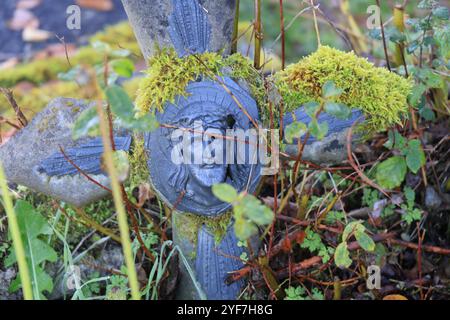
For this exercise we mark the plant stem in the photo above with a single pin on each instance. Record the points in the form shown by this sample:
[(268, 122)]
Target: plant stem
[(258, 34), (118, 202), (234, 44), (17, 240), (283, 37), (316, 25), (384, 38)]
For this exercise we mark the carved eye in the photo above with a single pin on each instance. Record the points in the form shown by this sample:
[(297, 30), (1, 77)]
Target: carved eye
[(230, 121)]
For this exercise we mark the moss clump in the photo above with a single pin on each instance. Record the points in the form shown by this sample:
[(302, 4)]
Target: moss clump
[(188, 226), (168, 76), (380, 94), (138, 162)]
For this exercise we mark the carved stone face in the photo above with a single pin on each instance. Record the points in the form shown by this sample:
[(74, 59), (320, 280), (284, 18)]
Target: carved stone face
[(205, 114)]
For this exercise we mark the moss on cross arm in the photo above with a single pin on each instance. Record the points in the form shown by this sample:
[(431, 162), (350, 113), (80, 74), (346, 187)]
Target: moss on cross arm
[(379, 93), (168, 76)]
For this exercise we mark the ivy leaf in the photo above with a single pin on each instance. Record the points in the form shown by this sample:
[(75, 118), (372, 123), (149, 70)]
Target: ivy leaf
[(330, 90), (224, 192), (415, 157), (338, 110), (32, 226), (295, 130), (391, 172), (123, 67), (365, 241), (87, 124), (318, 130), (342, 256)]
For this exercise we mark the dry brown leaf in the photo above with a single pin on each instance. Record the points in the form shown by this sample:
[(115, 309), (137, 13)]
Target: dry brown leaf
[(23, 19), (99, 5), (35, 35), (395, 297), (28, 4)]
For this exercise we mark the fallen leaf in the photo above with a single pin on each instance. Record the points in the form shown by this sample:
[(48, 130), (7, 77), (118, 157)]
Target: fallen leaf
[(99, 5), (395, 297), (23, 19), (35, 35), (28, 4)]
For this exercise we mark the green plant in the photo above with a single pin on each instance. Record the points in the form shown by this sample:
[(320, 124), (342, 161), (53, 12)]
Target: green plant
[(314, 243), (391, 172), (299, 293), (358, 230), (249, 212), (33, 227)]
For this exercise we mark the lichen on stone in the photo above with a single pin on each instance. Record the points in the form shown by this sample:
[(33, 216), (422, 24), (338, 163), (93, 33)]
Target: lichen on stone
[(168, 76), (380, 94)]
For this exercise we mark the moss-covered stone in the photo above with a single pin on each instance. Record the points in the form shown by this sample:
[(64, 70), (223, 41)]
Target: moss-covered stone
[(380, 94), (138, 162), (169, 75)]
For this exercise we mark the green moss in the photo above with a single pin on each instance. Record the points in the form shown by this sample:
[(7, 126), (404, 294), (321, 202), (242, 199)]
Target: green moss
[(380, 94), (37, 98), (168, 76), (188, 226), (138, 162), (40, 71)]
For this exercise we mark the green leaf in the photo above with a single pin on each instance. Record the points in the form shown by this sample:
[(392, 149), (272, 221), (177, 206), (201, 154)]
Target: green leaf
[(417, 94), (87, 124), (311, 108), (330, 90), (338, 110), (255, 211), (318, 130), (295, 130), (396, 141), (244, 229), (365, 241), (415, 157), (225, 192), (410, 196), (342, 256), (123, 108), (123, 67), (351, 228), (391, 172), (32, 226)]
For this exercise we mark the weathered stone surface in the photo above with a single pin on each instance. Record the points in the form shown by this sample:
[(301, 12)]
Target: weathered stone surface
[(43, 136), (151, 23), (332, 149)]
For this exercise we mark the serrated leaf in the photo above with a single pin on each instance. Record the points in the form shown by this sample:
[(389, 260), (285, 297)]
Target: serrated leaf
[(330, 90), (225, 192), (87, 124), (295, 130), (391, 172), (342, 256), (338, 110), (415, 157)]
